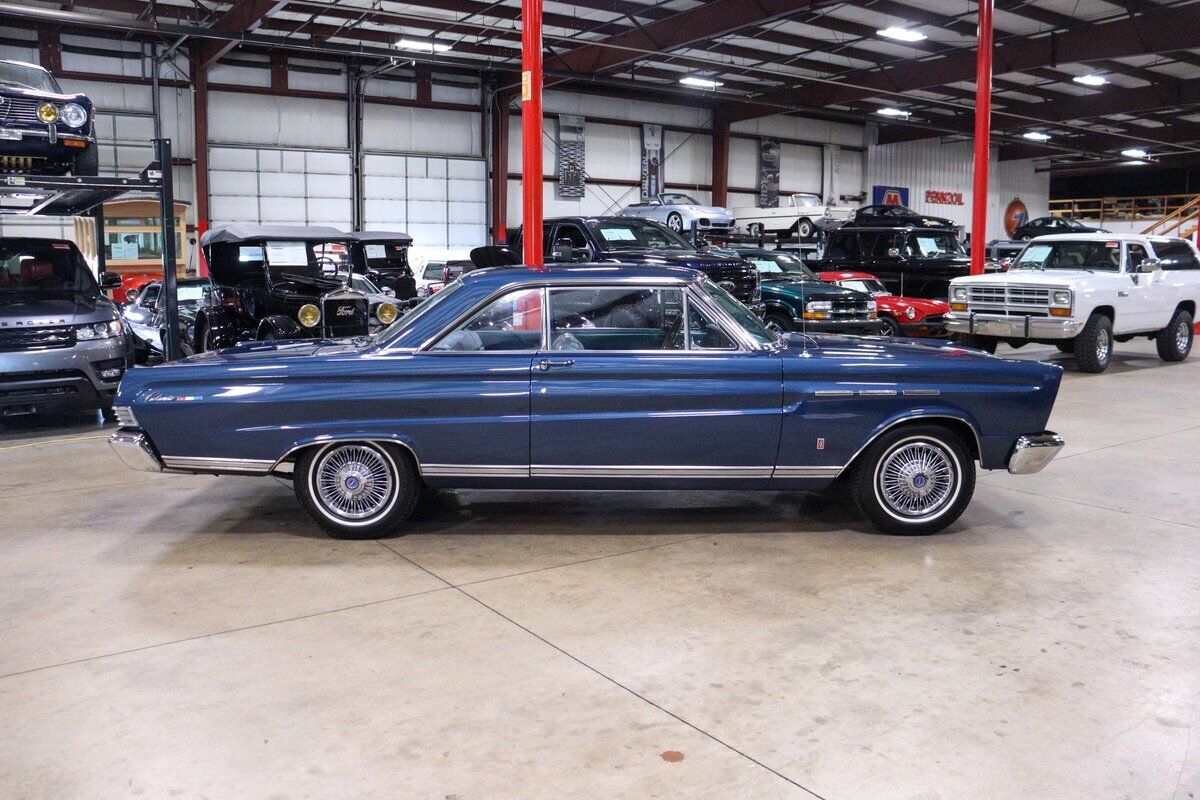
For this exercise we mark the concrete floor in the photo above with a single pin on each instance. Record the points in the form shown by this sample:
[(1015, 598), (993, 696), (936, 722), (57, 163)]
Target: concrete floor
[(175, 636)]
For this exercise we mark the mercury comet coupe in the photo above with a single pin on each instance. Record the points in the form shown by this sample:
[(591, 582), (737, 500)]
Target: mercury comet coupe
[(592, 377)]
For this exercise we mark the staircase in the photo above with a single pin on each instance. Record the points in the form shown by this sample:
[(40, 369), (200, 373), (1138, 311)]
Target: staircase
[(1183, 221)]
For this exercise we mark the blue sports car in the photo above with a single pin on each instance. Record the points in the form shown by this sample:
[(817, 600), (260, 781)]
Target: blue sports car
[(591, 377)]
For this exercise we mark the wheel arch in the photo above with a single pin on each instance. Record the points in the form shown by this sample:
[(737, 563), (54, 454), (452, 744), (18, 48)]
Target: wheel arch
[(292, 454), (1188, 306), (1107, 311), (956, 422)]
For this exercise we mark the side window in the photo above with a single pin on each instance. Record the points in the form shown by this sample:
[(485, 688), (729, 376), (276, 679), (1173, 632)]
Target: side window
[(151, 296), (547, 240), (512, 322), (616, 319), (1135, 255), (568, 235), (1176, 255), (843, 246), (704, 333)]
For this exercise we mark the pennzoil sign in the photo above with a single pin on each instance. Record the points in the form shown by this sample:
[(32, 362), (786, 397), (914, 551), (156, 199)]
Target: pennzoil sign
[(935, 197)]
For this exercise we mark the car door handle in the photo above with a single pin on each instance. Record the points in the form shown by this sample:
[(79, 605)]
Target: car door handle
[(547, 364), (1122, 294)]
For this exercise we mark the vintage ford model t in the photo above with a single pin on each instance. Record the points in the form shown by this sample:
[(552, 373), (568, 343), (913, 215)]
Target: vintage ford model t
[(284, 282), (385, 254)]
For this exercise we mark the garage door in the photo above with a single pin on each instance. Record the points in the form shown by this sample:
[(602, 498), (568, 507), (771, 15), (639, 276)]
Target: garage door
[(440, 202), (270, 185)]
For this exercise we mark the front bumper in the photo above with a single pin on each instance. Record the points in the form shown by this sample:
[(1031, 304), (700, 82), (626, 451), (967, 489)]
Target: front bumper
[(1031, 453), (135, 451), (26, 142), (925, 330), (63, 379), (852, 327), (1013, 327)]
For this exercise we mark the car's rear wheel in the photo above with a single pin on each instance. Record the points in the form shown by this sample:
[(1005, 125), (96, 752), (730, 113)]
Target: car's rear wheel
[(914, 479), (1174, 342), (755, 229), (357, 490), (675, 222), (804, 228), (1093, 346)]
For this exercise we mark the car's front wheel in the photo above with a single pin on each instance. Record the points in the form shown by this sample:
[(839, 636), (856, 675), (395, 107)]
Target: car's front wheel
[(357, 490), (890, 326), (914, 479), (804, 228), (1174, 342), (1093, 346), (87, 162)]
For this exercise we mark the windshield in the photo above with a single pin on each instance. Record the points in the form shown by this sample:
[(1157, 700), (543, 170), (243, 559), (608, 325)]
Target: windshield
[(634, 234), (421, 310), (806, 200), (31, 267), (741, 315), (306, 262), (781, 265), (436, 271), (933, 244), (678, 200), (191, 293), (1097, 255), (27, 76), (862, 285)]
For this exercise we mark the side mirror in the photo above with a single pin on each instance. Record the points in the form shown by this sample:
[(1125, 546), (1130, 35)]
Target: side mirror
[(130, 294), (1149, 265), (1006, 264), (894, 252), (110, 280), (389, 292)]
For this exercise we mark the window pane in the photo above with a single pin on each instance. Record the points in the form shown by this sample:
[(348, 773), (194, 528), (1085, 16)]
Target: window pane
[(513, 322), (705, 334), (616, 319), (1175, 255)]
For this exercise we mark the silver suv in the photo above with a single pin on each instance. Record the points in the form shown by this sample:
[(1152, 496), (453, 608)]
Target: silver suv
[(63, 345)]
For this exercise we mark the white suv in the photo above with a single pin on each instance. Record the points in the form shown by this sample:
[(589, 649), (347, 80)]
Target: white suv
[(1081, 292)]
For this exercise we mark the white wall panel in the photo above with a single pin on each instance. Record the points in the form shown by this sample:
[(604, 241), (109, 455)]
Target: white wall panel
[(268, 185), (399, 129), (800, 168), (440, 202), (298, 122)]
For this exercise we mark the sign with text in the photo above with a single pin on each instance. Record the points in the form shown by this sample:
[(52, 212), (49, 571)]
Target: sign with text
[(943, 198), (889, 195)]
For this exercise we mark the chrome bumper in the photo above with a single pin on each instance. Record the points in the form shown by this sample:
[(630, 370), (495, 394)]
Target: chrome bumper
[(135, 450), (1013, 327), (1031, 453)]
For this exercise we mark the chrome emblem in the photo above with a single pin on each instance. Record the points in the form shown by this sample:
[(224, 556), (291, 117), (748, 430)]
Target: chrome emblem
[(345, 311), (728, 286)]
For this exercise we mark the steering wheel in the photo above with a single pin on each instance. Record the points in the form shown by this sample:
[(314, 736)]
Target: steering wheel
[(327, 264), (672, 333)]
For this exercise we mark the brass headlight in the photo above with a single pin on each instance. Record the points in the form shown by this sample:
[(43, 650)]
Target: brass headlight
[(309, 315), (386, 313), (47, 112)]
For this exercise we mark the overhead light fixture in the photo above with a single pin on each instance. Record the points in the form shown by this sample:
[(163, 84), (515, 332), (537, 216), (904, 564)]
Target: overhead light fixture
[(701, 83), (1134, 163), (902, 34), (1136, 152), (889, 111), (422, 46), (1036, 136), (1091, 80)]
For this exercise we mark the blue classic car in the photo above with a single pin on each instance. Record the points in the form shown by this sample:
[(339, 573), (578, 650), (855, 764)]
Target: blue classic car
[(43, 130), (591, 377)]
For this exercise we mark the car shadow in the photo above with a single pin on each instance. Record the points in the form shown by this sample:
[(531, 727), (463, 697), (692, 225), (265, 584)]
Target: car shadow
[(26, 426)]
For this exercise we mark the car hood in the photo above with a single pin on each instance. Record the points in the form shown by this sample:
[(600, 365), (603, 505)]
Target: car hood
[(22, 91), (712, 211), (1031, 277), (806, 290), (878, 350), (264, 354), (924, 307), (39, 311)]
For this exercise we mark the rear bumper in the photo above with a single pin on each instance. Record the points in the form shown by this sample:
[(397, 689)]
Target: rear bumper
[(1013, 327), (135, 451), (1031, 453)]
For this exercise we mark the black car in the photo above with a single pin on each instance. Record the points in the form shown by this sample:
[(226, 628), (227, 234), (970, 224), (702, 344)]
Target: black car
[(797, 300), (146, 315), (283, 282), (631, 240), (43, 130), (1045, 226), (386, 256), (898, 215), (917, 262)]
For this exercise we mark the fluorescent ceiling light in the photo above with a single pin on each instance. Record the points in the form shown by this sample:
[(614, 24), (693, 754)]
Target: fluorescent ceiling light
[(902, 34), (889, 111), (1091, 80), (703, 83), (422, 46), (1134, 163), (1037, 136), (1136, 152)]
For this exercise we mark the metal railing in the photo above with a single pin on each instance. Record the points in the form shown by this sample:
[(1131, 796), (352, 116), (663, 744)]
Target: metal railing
[(1121, 209)]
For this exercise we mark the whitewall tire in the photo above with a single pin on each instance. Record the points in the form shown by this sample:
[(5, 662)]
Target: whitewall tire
[(357, 490)]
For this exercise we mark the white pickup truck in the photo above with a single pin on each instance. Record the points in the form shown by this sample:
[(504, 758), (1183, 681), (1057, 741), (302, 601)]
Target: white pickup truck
[(1082, 292), (800, 214)]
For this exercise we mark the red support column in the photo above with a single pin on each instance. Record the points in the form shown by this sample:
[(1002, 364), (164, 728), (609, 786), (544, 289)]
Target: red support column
[(531, 131), (983, 134), (720, 159), (200, 162)]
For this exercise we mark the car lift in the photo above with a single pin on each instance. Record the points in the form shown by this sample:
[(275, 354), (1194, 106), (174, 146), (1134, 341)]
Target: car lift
[(71, 196)]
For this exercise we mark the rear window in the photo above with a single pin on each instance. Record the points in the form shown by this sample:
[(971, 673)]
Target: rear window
[(1175, 255)]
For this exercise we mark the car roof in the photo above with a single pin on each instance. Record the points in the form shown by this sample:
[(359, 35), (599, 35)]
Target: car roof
[(1105, 237), (581, 273), (382, 236), (839, 275), (24, 64), (241, 232)]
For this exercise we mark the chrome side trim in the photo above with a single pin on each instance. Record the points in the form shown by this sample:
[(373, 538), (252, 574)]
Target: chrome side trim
[(922, 392), (615, 471), (876, 392), (204, 464), (833, 393), (420, 470), (475, 471), (807, 472), (135, 451)]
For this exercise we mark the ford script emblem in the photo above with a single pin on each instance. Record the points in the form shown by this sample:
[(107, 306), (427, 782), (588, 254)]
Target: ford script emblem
[(728, 286), (345, 311)]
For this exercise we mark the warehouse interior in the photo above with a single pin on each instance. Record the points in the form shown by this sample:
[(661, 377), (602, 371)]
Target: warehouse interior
[(183, 634)]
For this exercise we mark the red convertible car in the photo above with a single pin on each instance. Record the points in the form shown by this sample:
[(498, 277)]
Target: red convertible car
[(904, 316)]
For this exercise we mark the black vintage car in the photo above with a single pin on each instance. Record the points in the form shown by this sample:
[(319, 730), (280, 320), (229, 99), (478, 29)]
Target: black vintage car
[(912, 261), (283, 282), (1047, 226), (898, 215), (42, 130), (386, 256), (632, 240)]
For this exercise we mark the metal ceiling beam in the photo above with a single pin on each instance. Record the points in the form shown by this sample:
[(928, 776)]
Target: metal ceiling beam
[(1180, 133), (242, 16)]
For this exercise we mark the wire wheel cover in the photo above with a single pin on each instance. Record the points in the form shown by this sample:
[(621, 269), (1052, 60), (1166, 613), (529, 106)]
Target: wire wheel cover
[(917, 479), (354, 482)]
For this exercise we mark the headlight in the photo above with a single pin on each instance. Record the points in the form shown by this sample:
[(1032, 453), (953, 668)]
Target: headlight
[(74, 115), (386, 313), (98, 330), (958, 293), (910, 312), (818, 309), (309, 315), (1062, 297), (47, 112)]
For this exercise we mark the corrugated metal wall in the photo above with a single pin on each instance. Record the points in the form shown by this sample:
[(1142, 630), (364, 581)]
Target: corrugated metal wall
[(931, 165)]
